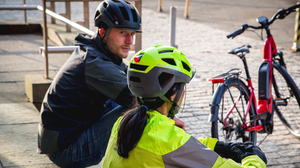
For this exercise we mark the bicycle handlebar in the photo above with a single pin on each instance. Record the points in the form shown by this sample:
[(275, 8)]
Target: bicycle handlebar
[(280, 14), (242, 29)]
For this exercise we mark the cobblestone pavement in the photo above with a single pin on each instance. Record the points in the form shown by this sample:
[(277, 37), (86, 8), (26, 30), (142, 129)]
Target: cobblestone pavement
[(207, 52), (206, 48)]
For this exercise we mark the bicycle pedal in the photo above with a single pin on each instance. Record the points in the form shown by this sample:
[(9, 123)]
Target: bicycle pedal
[(280, 102)]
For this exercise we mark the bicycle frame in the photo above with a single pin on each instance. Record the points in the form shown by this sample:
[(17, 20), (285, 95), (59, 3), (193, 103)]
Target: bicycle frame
[(269, 50), (263, 106)]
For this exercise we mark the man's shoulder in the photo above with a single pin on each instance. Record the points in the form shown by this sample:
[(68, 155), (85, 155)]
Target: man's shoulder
[(89, 44), (83, 37)]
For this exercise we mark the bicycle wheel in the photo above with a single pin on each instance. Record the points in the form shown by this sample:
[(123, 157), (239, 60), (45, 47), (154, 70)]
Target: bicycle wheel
[(232, 130), (287, 98)]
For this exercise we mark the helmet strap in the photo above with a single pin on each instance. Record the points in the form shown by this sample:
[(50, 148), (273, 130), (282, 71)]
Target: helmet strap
[(175, 107), (174, 110), (105, 34)]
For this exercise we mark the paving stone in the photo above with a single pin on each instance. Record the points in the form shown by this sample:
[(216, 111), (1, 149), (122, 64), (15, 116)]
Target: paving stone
[(18, 146), (18, 113)]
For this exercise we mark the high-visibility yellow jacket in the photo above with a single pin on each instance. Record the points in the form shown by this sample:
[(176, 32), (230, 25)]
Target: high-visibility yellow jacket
[(165, 145)]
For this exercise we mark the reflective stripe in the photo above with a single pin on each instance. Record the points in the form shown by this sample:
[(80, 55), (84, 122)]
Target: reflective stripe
[(192, 154)]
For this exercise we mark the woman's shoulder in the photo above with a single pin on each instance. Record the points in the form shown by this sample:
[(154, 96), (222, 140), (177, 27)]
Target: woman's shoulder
[(161, 136)]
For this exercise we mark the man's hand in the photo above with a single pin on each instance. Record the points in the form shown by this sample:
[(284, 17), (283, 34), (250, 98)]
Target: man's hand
[(179, 123)]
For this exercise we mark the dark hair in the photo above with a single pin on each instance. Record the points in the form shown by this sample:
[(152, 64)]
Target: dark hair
[(134, 122)]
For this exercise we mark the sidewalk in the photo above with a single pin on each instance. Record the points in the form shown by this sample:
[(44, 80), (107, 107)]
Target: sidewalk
[(206, 48)]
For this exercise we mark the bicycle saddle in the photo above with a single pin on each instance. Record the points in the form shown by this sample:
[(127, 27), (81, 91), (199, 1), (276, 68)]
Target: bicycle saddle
[(241, 49)]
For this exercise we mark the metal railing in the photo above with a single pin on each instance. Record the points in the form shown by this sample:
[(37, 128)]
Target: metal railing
[(18, 7), (50, 13), (61, 49), (58, 49), (49, 49), (67, 21)]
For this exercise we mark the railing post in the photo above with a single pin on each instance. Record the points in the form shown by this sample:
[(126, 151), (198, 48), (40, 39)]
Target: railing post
[(138, 36), (68, 14), (25, 13), (186, 12), (52, 7), (86, 14), (45, 37), (173, 26), (295, 46), (159, 8)]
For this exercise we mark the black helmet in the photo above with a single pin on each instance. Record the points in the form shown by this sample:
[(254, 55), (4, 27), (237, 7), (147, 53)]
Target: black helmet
[(118, 14)]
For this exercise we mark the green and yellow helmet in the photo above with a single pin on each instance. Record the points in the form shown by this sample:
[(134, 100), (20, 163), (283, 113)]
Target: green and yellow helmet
[(154, 70)]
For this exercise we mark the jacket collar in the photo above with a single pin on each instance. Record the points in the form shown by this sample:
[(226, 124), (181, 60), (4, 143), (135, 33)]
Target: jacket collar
[(96, 42)]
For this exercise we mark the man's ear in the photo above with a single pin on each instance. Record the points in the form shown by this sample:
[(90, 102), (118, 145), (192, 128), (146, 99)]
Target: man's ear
[(101, 32)]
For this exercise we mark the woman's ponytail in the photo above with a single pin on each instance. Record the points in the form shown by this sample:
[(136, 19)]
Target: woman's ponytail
[(134, 122), (131, 130)]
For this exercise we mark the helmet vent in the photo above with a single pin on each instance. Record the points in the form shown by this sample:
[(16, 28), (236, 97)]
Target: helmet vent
[(105, 5), (134, 15), (138, 67), (113, 14), (169, 61), (164, 51), (124, 13), (97, 14), (185, 66), (164, 79), (135, 79)]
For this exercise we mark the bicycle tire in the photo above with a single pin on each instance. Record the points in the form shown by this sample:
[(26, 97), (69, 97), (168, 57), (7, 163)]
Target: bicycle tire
[(287, 99), (223, 101)]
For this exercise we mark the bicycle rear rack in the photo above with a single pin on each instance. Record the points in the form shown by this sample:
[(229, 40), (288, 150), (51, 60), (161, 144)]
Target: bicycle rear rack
[(222, 77)]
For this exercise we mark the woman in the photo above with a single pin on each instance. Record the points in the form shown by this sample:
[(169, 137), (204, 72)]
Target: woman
[(147, 136)]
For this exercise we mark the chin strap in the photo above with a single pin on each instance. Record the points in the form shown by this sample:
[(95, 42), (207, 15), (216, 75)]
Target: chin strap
[(174, 110), (175, 107)]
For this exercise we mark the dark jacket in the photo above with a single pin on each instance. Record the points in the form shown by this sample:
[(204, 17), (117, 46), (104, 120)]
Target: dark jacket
[(77, 94)]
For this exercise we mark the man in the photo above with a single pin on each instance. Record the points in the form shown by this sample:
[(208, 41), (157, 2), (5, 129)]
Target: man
[(90, 90)]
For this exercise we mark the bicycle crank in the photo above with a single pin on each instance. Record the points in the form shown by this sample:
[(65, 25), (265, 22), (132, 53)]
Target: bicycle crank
[(240, 131), (267, 123), (234, 127)]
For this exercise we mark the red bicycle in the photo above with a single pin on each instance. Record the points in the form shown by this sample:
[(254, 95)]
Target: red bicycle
[(236, 115)]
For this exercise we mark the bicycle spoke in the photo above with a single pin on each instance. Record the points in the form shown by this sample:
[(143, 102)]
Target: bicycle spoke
[(234, 103)]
